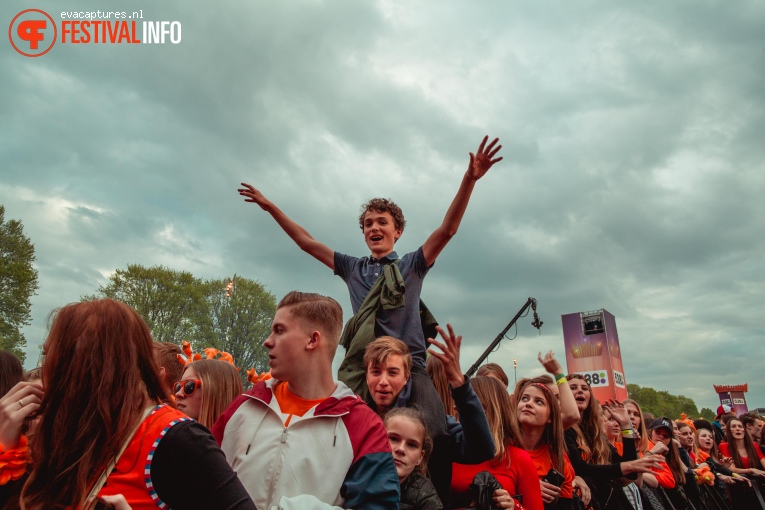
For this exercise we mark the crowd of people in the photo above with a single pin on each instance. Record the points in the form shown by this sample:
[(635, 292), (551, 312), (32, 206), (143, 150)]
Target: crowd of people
[(113, 419)]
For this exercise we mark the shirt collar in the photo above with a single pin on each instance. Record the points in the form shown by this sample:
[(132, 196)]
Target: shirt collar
[(387, 258)]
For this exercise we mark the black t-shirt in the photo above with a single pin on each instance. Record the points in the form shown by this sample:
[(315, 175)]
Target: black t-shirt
[(190, 471)]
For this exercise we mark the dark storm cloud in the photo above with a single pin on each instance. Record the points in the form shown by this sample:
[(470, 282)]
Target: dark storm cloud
[(631, 180)]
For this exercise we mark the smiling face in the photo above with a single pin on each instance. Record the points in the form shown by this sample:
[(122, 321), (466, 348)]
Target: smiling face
[(190, 405), (533, 409), (385, 381), (380, 232), (581, 391), (406, 438), (706, 440), (685, 436)]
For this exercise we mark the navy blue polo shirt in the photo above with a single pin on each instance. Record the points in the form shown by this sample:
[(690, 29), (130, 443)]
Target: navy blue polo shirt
[(403, 323)]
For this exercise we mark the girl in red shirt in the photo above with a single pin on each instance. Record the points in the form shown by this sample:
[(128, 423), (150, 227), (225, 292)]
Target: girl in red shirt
[(541, 430), (511, 466)]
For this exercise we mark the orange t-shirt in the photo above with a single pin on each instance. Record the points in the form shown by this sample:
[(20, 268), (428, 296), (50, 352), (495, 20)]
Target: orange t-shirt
[(663, 474), (291, 404), (543, 463)]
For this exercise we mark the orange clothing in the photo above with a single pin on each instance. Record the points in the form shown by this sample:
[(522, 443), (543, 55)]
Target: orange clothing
[(291, 404), (543, 464), (701, 457), (131, 476), (663, 474)]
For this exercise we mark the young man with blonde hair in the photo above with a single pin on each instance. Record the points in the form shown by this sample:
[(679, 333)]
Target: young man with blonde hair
[(469, 441), (300, 440)]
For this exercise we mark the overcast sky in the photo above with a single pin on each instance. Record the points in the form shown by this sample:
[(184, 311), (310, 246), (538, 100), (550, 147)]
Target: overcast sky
[(632, 178)]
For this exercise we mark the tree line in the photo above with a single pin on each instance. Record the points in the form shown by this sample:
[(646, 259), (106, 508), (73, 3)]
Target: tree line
[(662, 403), (230, 314)]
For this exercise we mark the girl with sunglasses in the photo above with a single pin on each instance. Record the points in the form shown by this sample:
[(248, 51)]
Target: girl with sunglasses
[(206, 389), (104, 429)]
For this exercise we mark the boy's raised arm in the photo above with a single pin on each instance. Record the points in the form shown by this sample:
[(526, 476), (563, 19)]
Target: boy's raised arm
[(480, 163), (302, 238)]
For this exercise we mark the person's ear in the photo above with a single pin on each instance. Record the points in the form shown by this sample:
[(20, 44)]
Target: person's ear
[(162, 372), (398, 234), (314, 341), (422, 457)]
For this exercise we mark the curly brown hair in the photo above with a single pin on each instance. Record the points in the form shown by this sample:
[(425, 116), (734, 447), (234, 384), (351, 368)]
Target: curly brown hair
[(383, 205)]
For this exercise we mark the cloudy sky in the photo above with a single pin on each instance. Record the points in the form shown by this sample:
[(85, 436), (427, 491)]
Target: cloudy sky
[(632, 134)]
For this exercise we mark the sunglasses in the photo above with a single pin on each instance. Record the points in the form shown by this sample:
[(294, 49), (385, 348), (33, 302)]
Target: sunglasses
[(189, 386)]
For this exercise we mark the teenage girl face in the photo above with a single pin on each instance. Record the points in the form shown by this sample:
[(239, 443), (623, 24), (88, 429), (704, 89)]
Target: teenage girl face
[(611, 428), (581, 391), (685, 436), (405, 437), (190, 405), (706, 440), (736, 429), (661, 435), (634, 414), (533, 410)]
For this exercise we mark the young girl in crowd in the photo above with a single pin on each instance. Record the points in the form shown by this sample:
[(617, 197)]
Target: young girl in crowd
[(740, 455), (541, 430), (511, 466), (411, 446), (646, 447), (99, 364), (206, 388), (593, 459), (747, 458)]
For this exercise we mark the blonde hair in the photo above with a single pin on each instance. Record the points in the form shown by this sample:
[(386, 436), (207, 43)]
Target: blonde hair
[(499, 414), (221, 384), (321, 312), (642, 445), (379, 350), (435, 369), (494, 370)]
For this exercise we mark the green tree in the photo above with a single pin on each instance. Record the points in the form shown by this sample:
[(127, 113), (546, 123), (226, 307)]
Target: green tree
[(177, 306), (171, 302), (18, 283), (240, 319), (662, 403), (707, 414)]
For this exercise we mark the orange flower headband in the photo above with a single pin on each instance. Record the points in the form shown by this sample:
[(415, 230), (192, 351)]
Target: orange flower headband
[(189, 356)]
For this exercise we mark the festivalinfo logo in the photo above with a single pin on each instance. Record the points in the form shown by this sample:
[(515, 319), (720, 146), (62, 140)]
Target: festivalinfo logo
[(34, 32)]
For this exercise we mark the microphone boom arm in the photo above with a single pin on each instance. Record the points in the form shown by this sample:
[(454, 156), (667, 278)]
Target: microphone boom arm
[(536, 323)]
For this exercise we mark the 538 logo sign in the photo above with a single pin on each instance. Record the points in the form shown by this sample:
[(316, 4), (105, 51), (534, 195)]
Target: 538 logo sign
[(595, 378), (32, 32)]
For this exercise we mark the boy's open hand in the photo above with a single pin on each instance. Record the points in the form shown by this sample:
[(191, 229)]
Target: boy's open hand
[(482, 161), (451, 356), (251, 194)]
